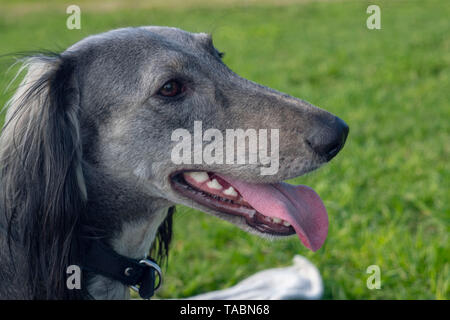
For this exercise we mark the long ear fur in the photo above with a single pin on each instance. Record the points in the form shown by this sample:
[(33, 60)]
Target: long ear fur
[(160, 247), (43, 193)]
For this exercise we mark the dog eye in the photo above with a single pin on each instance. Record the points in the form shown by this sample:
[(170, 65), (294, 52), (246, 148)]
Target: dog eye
[(171, 88)]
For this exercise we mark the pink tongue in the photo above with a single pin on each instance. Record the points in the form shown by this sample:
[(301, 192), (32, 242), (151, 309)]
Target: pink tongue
[(299, 205)]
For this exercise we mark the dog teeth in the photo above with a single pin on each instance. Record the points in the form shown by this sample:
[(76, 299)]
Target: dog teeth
[(214, 184), (277, 221), (198, 176), (230, 192)]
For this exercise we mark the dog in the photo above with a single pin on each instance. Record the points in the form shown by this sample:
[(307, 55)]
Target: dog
[(86, 172)]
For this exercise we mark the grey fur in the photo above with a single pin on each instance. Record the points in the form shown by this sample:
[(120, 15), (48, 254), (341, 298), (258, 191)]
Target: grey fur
[(121, 133)]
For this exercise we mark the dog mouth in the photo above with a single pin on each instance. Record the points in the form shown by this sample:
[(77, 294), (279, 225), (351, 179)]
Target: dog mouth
[(270, 208)]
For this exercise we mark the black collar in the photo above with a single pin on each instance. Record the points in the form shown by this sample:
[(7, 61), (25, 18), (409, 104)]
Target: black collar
[(140, 275)]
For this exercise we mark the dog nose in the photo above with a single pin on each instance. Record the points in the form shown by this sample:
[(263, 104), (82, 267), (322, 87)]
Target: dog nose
[(329, 138)]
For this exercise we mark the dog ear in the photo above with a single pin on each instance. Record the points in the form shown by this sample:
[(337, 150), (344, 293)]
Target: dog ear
[(43, 191)]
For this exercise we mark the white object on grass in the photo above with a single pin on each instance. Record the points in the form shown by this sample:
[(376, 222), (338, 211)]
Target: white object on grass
[(302, 280)]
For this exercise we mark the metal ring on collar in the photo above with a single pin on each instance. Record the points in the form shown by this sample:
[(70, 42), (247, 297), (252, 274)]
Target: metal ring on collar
[(154, 266)]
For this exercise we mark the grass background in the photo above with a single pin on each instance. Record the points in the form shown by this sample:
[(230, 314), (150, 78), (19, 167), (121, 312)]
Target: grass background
[(387, 192)]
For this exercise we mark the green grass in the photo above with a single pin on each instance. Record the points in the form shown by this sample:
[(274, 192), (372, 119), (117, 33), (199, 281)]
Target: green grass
[(387, 192)]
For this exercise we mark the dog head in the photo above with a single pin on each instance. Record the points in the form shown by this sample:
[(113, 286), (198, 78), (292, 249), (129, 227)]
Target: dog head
[(159, 105)]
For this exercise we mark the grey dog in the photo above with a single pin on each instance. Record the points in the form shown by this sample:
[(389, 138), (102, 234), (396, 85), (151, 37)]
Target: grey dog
[(86, 154)]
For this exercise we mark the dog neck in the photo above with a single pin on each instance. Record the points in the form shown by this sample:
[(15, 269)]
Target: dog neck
[(135, 226), (134, 241)]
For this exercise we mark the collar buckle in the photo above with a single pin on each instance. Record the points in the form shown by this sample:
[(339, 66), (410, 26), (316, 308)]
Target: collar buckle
[(152, 267)]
